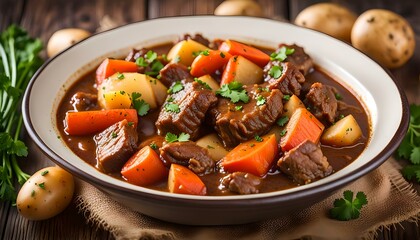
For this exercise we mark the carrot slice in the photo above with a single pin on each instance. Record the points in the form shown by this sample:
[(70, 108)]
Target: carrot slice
[(229, 73), (144, 168), (253, 156), (208, 63), (241, 70), (88, 122), (253, 54), (111, 66), (302, 126), (182, 180)]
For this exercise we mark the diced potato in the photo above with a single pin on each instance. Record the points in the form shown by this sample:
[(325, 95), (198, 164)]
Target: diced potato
[(245, 71), (159, 90), (344, 132), (210, 81), (116, 100), (213, 144), (291, 105), (131, 82), (185, 51)]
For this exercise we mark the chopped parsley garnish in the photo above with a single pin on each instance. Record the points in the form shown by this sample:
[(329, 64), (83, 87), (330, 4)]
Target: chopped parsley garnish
[(234, 91), (130, 124), (281, 54), (238, 108), (275, 71), (338, 96), (282, 121), (258, 138), (222, 55), (204, 84), (410, 146), (120, 76), (41, 185), (261, 100), (139, 104), (114, 135), (176, 87), (44, 173), (153, 146), (33, 193), (183, 137), (205, 52), (150, 59), (348, 208), (286, 97), (172, 107), (283, 133), (210, 147)]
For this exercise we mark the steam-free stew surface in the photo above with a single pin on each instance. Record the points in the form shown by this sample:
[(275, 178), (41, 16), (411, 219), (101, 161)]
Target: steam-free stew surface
[(85, 148)]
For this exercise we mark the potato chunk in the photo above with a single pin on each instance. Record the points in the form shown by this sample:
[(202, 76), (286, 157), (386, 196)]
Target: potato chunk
[(345, 132), (213, 145), (185, 51), (210, 81), (291, 105)]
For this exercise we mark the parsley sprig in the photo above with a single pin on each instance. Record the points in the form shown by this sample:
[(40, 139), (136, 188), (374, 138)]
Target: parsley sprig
[(410, 146), (139, 104), (235, 91), (183, 137), (150, 59), (19, 60), (281, 54), (348, 208)]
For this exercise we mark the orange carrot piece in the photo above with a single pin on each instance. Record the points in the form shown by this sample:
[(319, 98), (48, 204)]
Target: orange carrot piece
[(88, 122), (255, 157), (144, 168), (302, 126), (208, 64), (182, 180), (230, 71), (253, 54), (111, 66)]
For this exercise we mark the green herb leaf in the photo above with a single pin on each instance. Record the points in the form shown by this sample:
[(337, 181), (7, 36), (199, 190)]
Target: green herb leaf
[(120, 76), (258, 138), (139, 104), (41, 185), (172, 107), (44, 173), (176, 87), (235, 91), (141, 62), (348, 208), (238, 108), (411, 172), (170, 137), (281, 54), (282, 121), (275, 71), (153, 146), (204, 84), (261, 100)]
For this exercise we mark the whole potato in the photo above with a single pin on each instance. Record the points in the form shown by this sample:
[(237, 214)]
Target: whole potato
[(329, 18), (239, 7), (385, 36), (45, 194), (64, 38)]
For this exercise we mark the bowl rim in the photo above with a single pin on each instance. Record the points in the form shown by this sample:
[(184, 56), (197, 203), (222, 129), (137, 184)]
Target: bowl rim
[(375, 162)]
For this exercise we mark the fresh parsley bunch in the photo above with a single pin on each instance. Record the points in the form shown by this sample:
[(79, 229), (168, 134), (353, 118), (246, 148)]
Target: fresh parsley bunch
[(19, 60), (410, 146)]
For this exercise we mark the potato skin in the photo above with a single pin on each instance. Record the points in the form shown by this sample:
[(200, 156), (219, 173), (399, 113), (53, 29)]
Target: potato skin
[(329, 18), (45, 194), (64, 38), (384, 36)]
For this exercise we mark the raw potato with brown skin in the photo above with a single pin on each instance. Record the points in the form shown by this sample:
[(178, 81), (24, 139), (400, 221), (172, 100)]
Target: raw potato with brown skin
[(239, 7), (45, 194), (385, 36), (64, 38), (329, 18)]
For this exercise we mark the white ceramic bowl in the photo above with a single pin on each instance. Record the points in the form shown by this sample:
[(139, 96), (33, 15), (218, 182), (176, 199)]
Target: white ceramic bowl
[(385, 102)]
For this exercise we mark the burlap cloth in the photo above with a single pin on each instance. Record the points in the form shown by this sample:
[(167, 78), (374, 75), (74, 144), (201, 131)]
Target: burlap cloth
[(391, 200)]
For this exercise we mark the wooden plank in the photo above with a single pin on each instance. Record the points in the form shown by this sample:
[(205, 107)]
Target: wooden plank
[(165, 8), (13, 13)]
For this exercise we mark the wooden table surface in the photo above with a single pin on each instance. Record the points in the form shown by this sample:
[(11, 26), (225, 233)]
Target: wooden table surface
[(42, 17)]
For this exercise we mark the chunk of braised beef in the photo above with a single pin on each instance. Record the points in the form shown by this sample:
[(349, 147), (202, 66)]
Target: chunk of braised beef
[(322, 102), (188, 154), (197, 37), (299, 58), (241, 182), (174, 72), (305, 163), (185, 110), (289, 81), (239, 122), (115, 145), (82, 101), (135, 53)]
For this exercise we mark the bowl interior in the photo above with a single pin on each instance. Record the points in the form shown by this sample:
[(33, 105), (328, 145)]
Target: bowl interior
[(385, 104)]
